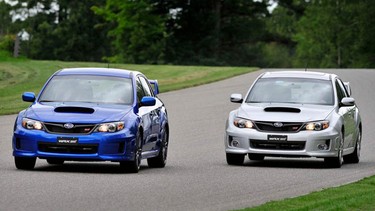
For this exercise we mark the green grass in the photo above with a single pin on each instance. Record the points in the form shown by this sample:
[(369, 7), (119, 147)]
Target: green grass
[(355, 196), (20, 75)]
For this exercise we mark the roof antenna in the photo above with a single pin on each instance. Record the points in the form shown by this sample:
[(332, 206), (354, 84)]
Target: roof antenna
[(306, 66), (108, 65)]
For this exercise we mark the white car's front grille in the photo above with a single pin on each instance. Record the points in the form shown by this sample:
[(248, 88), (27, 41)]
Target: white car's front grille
[(278, 126), (277, 145)]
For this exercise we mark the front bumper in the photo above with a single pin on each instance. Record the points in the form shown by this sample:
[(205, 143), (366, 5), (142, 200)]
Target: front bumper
[(319, 144), (117, 146)]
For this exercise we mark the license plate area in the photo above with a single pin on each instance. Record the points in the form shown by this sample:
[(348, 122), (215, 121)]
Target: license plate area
[(67, 140), (277, 138)]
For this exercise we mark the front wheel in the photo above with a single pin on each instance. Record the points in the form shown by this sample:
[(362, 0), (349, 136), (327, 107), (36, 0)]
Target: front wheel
[(355, 156), (24, 163), (336, 162), (235, 159), (160, 160), (133, 166)]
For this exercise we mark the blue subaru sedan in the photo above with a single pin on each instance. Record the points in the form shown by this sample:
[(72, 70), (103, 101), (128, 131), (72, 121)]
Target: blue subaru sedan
[(93, 114)]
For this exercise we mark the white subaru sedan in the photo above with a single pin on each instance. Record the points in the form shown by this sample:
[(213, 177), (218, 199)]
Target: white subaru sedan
[(295, 114)]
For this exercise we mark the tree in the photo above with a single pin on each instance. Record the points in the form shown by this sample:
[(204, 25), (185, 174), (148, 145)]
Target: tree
[(5, 18), (278, 47), (364, 35), (327, 34), (137, 31), (216, 32), (7, 31), (63, 29)]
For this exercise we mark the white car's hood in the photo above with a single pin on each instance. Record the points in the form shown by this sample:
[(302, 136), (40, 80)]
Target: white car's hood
[(284, 112)]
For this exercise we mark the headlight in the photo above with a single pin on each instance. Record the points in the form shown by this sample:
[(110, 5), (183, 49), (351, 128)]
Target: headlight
[(31, 124), (243, 123), (321, 125), (110, 127)]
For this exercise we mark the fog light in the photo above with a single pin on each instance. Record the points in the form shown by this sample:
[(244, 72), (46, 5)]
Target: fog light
[(322, 146), (235, 143)]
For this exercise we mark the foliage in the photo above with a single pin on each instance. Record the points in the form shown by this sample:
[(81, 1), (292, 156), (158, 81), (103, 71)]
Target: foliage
[(137, 32), (63, 30), (5, 18), (331, 39), (215, 32), (7, 42), (197, 32)]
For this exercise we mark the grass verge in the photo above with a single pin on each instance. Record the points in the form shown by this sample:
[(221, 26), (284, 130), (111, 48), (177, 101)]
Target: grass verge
[(355, 196), (20, 75)]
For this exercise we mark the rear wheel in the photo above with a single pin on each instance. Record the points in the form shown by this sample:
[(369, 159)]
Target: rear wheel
[(24, 163), (55, 161), (134, 165), (235, 159), (255, 156), (355, 156), (160, 160), (336, 162)]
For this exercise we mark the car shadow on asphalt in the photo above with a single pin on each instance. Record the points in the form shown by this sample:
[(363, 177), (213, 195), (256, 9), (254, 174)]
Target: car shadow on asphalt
[(82, 167), (287, 163)]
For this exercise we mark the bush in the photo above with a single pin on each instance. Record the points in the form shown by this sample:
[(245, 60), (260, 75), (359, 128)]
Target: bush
[(7, 43)]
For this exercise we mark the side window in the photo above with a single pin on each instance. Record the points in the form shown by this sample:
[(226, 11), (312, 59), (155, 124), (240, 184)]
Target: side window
[(146, 87), (343, 87), (140, 92), (341, 93)]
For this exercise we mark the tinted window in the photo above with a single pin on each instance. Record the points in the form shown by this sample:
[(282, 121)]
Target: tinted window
[(88, 88), (341, 92), (343, 87), (140, 92), (146, 86), (291, 90)]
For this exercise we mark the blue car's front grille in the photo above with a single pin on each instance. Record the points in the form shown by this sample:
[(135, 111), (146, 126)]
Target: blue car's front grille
[(77, 129), (65, 148)]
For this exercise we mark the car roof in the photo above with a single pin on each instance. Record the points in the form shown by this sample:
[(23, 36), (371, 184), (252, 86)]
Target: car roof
[(299, 74), (97, 71)]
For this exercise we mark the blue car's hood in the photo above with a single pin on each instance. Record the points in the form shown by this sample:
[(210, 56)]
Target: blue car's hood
[(284, 112), (76, 113)]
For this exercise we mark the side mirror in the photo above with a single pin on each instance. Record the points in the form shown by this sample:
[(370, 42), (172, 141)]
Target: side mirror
[(236, 98), (28, 96), (155, 86), (347, 101), (148, 101), (348, 89)]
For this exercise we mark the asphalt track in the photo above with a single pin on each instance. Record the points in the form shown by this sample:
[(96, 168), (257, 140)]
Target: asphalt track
[(196, 176)]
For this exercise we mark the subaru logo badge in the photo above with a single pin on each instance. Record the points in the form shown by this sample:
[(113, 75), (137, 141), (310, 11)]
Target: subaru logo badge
[(278, 124), (68, 126)]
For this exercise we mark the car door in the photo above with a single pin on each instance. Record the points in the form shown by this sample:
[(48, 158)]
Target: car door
[(150, 115), (347, 112)]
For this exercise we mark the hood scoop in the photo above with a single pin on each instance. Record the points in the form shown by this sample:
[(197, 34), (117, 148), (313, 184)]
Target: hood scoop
[(282, 109), (72, 109)]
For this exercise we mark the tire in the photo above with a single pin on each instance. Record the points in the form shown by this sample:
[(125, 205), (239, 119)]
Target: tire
[(255, 157), (355, 156), (133, 166), (235, 159), (24, 163), (161, 160), (336, 162), (55, 161)]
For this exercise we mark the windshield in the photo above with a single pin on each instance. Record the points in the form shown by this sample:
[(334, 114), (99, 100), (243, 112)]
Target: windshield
[(88, 88), (291, 90)]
